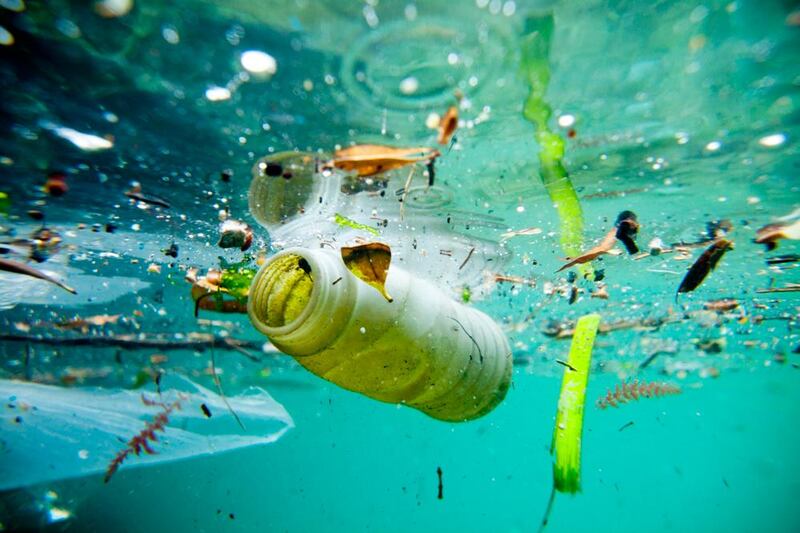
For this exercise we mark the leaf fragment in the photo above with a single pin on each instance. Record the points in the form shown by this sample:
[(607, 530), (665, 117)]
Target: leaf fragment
[(369, 263), (343, 221), (448, 125), (16, 267), (770, 235), (704, 265), (604, 247), (370, 159)]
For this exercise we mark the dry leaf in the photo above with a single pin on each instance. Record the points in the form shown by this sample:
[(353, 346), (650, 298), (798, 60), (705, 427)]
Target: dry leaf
[(604, 247), (518, 233), (771, 234), (369, 263), (371, 159), (16, 267), (448, 125), (704, 265)]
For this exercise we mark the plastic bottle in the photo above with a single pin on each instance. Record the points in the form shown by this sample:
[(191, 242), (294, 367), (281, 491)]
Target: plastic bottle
[(423, 349)]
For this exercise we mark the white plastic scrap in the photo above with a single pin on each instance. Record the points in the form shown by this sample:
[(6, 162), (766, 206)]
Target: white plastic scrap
[(64, 433)]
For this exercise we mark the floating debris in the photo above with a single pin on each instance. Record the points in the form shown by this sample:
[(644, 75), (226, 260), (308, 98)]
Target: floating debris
[(569, 417), (790, 287), (82, 323), (502, 278), (518, 233), (771, 234), (343, 221), (604, 247), (627, 228), (369, 263), (725, 304), (235, 234), (783, 259), (135, 193), (633, 391), (232, 280), (625, 426), (56, 184), (448, 125), (704, 265), (15, 267), (140, 442), (565, 330), (370, 159)]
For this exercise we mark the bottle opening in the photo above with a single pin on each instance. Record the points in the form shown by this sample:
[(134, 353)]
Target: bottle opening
[(282, 290)]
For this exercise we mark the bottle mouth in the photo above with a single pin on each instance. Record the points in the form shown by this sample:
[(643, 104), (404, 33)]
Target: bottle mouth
[(281, 292)]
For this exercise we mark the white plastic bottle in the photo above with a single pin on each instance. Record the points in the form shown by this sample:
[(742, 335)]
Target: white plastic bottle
[(423, 350)]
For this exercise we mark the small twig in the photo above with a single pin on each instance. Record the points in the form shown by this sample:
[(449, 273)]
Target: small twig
[(564, 363), (218, 383), (472, 251), (790, 288), (405, 192), (548, 509), (135, 342), (625, 426)]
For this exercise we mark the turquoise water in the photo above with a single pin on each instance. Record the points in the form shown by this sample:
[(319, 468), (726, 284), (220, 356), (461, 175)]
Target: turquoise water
[(684, 112)]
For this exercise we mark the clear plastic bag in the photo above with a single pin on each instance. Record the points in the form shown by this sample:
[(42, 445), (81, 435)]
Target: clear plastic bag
[(51, 433)]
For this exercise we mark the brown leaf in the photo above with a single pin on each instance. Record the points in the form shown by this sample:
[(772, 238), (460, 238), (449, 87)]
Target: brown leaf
[(704, 265), (371, 159), (21, 268), (369, 263), (448, 125), (771, 234), (604, 247)]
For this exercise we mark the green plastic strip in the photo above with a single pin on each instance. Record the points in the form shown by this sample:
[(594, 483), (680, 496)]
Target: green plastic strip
[(536, 70), (343, 221), (569, 419)]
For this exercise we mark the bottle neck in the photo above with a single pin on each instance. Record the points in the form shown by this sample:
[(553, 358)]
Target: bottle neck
[(325, 311)]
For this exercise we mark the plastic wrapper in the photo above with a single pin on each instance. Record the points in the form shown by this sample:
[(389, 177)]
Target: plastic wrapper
[(51, 433)]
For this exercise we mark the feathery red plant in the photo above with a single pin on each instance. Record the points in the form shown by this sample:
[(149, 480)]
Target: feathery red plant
[(139, 443), (634, 391)]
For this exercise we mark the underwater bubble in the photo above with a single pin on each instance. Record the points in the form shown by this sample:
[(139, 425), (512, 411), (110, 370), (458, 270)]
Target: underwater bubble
[(771, 141), (84, 141), (258, 62), (217, 94), (713, 146), (113, 8), (170, 34), (409, 85), (565, 121)]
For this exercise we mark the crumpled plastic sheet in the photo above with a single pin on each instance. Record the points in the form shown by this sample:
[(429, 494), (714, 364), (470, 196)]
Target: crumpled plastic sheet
[(52, 433)]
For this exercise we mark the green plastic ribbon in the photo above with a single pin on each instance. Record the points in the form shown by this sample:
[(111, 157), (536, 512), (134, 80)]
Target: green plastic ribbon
[(569, 418), (536, 70)]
